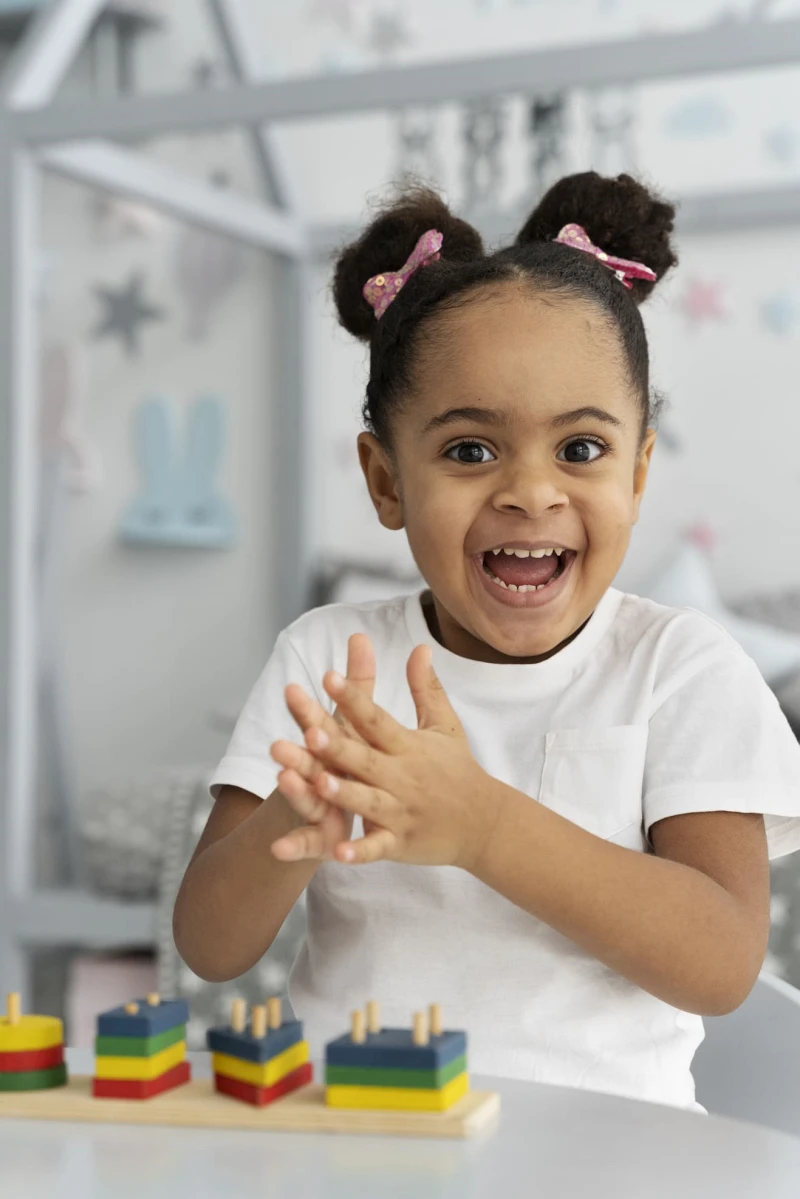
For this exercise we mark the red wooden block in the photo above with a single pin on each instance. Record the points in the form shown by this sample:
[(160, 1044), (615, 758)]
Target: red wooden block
[(31, 1059), (111, 1088), (260, 1096)]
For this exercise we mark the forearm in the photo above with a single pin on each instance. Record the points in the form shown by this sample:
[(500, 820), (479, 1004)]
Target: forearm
[(666, 927), (235, 895)]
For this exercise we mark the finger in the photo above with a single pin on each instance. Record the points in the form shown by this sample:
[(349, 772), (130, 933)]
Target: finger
[(374, 847), (307, 712), (374, 724), (361, 663), (434, 709), (361, 799), (295, 757), (360, 672), (302, 797), (319, 842), (344, 755), (300, 844)]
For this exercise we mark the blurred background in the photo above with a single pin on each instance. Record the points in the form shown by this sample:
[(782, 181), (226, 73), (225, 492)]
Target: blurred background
[(180, 409)]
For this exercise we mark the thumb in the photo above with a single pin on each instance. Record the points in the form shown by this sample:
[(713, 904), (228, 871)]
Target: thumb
[(434, 709)]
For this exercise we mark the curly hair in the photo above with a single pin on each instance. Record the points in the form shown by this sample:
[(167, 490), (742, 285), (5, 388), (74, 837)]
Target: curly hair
[(620, 215)]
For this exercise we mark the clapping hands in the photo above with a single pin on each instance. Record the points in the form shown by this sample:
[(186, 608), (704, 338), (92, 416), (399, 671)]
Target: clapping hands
[(423, 797)]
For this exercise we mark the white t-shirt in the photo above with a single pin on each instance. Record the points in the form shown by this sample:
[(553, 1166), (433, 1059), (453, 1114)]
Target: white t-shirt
[(649, 712)]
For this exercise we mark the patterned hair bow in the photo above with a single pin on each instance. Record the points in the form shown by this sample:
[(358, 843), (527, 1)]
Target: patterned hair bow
[(625, 270), (380, 290)]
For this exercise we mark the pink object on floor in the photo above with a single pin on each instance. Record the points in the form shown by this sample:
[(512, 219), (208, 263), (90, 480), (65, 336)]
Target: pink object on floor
[(99, 982)]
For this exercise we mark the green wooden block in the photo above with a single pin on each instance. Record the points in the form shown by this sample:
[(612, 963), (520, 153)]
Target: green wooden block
[(139, 1046), (34, 1080), (375, 1076)]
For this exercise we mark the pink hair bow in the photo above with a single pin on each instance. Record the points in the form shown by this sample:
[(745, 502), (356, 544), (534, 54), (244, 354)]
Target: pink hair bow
[(380, 290), (625, 270)]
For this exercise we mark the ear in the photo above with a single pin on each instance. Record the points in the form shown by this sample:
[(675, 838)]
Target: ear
[(381, 477), (640, 473)]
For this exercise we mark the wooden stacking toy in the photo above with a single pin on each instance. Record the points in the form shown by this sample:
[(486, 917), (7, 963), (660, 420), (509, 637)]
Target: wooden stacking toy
[(422, 1069), (31, 1050), (141, 1049), (261, 1063)]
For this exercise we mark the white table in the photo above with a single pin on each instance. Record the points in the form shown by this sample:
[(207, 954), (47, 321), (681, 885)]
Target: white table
[(551, 1143)]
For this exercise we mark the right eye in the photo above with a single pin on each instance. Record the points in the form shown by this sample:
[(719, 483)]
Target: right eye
[(469, 452)]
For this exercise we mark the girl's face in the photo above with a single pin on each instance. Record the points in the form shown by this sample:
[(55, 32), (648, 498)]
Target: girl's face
[(522, 433)]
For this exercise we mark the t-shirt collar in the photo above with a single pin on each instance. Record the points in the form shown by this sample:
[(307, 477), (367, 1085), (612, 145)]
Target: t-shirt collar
[(468, 675)]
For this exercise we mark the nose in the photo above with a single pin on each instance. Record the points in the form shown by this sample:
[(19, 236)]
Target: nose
[(530, 492)]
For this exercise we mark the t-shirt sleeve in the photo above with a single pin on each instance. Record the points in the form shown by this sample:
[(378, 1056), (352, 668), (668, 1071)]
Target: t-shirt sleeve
[(718, 741), (264, 719)]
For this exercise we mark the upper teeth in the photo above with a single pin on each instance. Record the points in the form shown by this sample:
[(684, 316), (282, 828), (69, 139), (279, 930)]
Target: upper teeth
[(530, 553)]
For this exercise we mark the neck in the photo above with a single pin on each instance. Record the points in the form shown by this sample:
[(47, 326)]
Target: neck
[(444, 629)]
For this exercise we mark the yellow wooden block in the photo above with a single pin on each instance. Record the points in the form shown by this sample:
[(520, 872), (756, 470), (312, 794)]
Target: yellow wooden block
[(408, 1099), (140, 1069), (259, 1075), (30, 1032)]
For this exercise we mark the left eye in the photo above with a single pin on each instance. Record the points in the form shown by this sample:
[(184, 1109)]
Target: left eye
[(581, 452), (469, 452)]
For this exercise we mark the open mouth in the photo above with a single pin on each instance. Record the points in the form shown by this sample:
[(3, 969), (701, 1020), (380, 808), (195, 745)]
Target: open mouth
[(521, 571)]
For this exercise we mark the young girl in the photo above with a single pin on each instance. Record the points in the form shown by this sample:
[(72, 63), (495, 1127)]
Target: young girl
[(551, 806)]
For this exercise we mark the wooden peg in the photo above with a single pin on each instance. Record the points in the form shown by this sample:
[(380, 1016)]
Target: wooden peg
[(258, 1022), (359, 1032), (238, 1015), (14, 1010), (373, 1017), (435, 1016), (275, 1013), (131, 1009), (420, 1033), (153, 999)]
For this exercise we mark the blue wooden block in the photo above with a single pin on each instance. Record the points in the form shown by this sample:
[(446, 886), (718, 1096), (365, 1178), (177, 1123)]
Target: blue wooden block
[(252, 1049), (149, 1021), (394, 1048)]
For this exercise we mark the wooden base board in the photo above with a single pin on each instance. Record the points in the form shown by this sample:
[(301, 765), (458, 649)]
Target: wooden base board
[(197, 1105)]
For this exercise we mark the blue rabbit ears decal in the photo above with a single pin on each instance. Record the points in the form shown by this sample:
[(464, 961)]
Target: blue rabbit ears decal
[(178, 504)]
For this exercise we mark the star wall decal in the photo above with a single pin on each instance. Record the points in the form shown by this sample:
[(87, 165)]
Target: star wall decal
[(780, 313), (124, 312), (782, 144), (339, 11), (204, 74), (388, 33), (703, 301)]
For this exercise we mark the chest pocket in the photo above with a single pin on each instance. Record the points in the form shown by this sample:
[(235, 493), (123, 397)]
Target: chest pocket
[(594, 777)]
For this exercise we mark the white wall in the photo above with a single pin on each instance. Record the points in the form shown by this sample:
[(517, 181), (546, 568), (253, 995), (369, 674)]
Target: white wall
[(155, 639)]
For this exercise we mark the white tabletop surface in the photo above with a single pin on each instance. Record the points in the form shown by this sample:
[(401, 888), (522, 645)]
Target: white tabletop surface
[(550, 1143)]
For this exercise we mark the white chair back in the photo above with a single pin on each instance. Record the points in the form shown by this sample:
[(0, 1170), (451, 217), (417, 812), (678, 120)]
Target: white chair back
[(748, 1066)]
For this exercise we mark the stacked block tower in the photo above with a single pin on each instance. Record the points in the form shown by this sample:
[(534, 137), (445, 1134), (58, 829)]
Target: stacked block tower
[(141, 1049), (263, 1062), (31, 1050), (421, 1069)]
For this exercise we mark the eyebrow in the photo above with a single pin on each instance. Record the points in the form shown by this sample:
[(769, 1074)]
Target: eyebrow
[(499, 420)]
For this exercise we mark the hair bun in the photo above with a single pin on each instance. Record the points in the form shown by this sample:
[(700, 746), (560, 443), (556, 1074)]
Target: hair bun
[(620, 215), (386, 244)]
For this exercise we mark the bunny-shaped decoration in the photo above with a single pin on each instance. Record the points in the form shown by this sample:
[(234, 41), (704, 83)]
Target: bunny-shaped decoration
[(178, 505)]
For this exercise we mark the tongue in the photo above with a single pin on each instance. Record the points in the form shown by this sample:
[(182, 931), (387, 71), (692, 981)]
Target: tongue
[(531, 572)]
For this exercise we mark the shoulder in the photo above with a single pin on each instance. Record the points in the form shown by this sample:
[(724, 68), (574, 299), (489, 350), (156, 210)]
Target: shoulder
[(320, 635), (640, 617), (676, 644)]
